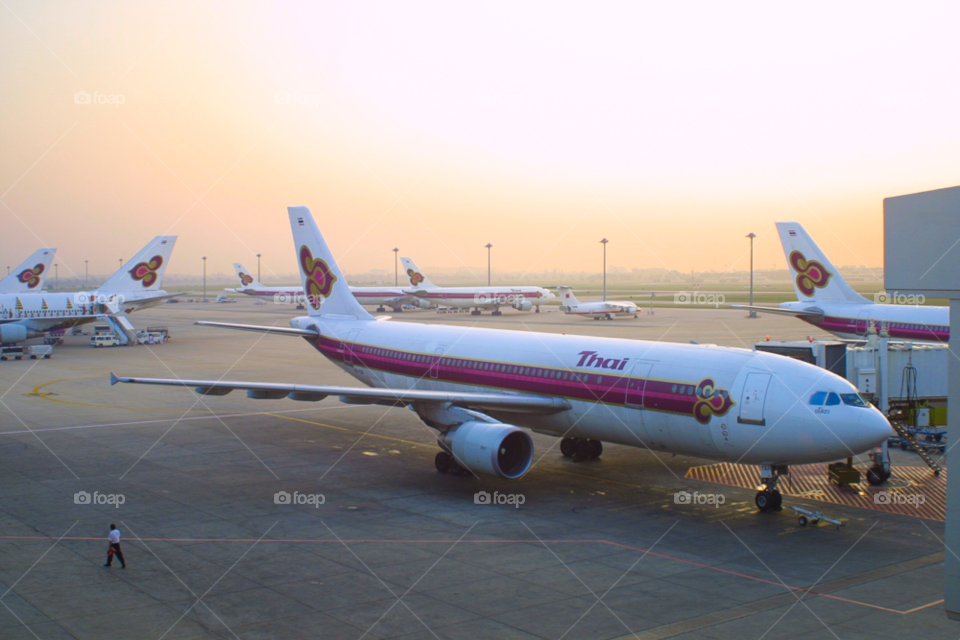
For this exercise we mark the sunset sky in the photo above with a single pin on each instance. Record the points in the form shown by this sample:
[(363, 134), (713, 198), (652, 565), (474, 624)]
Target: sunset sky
[(673, 129)]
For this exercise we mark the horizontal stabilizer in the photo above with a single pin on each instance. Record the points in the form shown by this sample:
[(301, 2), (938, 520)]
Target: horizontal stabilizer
[(808, 313), (282, 331)]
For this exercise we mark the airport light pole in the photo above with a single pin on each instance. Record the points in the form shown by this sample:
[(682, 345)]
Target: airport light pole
[(56, 275), (489, 246), (604, 243), (751, 235), (86, 274), (258, 267), (204, 278), (396, 271)]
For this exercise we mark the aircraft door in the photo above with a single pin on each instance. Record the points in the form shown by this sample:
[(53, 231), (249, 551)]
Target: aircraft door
[(753, 399), (349, 346), (435, 365), (636, 384)]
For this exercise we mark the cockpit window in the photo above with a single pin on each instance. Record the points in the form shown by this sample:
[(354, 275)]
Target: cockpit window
[(853, 399), (833, 399), (817, 398)]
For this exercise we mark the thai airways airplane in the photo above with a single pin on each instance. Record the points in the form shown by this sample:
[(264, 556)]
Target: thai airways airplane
[(481, 388), (520, 298), (608, 309), (135, 286), (31, 273), (394, 297), (826, 301)]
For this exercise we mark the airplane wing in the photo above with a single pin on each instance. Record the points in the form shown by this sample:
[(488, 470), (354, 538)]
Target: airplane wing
[(143, 303), (363, 395), (809, 313)]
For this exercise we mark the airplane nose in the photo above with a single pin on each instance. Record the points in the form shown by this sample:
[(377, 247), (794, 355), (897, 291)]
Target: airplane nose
[(873, 429)]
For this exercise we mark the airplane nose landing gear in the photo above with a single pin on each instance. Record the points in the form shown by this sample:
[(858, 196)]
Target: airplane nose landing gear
[(769, 498)]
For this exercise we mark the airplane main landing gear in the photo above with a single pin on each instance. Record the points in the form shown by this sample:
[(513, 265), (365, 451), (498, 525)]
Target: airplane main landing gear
[(475, 312), (496, 312), (446, 463), (769, 498), (581, 448), (380, 308)]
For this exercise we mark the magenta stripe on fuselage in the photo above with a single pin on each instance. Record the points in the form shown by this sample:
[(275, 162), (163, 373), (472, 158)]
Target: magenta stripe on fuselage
[(899, 330), (597, 385)]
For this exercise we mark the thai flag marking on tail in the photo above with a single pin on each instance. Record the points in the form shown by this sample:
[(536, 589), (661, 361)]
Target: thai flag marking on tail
[(793, 234), (300, 221)]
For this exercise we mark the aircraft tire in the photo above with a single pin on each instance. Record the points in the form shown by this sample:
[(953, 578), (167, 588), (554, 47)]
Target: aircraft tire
[(596, 449), (567, 447), (442, 461)]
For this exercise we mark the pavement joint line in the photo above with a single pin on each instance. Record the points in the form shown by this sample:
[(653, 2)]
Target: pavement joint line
[(822, 591), (782, 600)]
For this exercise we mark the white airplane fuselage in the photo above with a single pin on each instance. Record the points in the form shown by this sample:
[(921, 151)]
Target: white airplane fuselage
[(484, 297), (379, 296), (714, 402), (42, 312), (601, 309), (852, 320)]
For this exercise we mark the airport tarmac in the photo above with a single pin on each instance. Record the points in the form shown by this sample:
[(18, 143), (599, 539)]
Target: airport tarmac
[(597, 549)]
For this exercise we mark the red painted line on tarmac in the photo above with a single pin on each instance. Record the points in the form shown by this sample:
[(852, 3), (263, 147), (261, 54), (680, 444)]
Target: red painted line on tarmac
[(535, 542)]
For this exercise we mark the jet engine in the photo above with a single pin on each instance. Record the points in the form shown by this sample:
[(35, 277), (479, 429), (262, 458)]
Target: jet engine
[(523, 305), (494, 449), (424, 304), (13, 333)]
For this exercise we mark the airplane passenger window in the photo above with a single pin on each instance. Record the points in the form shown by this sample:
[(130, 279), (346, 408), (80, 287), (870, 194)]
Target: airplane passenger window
[(853, 399), (833, 399), (817, 398)]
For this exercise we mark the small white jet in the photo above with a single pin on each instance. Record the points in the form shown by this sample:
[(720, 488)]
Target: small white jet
[(394, 297), (31, 273), (135, 286), (607, 309), (826, 301), (522, 298), (481, 388)]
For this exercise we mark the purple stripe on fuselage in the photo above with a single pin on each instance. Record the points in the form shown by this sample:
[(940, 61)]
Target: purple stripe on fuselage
[(589, 386), (899, 330)]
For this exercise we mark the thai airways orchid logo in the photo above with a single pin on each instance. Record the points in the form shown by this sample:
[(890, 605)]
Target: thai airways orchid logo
[(31, 277), (811, 274), (711, 401), (146, 272), (415, 277), (318, 275), (245, 279)]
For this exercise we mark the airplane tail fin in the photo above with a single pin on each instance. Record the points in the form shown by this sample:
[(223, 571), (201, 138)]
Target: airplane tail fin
[(814, 277), (327, 292), (143, 272), (31, 273), (246, 278), (566, 296), (415, 276)]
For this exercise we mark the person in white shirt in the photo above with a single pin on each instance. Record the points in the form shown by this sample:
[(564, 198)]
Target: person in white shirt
[(114, 548)]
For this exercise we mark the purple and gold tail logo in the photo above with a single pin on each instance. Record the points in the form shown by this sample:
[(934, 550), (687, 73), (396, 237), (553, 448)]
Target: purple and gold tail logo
[(146, 272), (245, 279), (318, 276), (31, 277), (811, 274), (711, 401), (415, 277)]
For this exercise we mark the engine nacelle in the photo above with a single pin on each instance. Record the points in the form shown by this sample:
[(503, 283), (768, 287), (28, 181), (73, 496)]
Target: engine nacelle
[(523, 305), (493, 449), (13, 333), (424, 304)]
